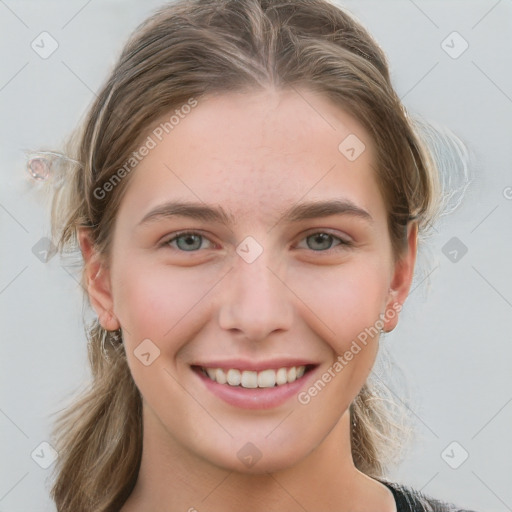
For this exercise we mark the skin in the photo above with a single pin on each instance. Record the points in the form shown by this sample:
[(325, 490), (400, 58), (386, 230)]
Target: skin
[(255, 154)]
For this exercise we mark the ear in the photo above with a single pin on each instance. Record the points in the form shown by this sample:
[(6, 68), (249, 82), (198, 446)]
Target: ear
[(97, 278), (402, 278)]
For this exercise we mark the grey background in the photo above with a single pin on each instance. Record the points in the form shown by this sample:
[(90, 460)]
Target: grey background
[(453, 341)]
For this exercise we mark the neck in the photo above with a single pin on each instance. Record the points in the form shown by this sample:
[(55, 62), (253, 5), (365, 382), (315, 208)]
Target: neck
[(326, 480)]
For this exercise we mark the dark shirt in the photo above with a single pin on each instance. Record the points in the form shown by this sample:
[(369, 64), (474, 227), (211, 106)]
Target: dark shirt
[(410, 500)]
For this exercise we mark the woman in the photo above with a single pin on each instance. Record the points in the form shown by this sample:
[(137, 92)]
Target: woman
[(246, 192)]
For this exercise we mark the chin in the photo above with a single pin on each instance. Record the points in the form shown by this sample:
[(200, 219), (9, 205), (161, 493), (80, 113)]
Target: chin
[(257, 458), (263, 466)]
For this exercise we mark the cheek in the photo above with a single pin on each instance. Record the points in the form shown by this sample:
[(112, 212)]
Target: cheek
[(162, 304), (154, 300), (345, 300)]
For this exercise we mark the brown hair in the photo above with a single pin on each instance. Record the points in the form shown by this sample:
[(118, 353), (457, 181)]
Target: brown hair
[(189, 49)]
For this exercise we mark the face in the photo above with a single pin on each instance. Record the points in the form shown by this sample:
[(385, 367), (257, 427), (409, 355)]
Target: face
[(285, 261)]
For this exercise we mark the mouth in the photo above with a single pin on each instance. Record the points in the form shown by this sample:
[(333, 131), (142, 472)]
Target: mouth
[(251, 379), (255, 386)]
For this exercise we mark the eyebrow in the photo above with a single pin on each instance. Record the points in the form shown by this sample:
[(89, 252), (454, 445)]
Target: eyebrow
[(296, 213)]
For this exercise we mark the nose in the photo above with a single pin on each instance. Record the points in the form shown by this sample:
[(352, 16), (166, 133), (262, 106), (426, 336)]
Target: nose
[(256, 300)]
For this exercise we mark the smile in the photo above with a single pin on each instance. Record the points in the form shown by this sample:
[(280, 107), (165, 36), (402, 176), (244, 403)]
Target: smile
[(255, 384), (253, 379)]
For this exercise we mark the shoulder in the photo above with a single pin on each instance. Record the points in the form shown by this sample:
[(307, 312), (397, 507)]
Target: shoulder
[(411, 500)]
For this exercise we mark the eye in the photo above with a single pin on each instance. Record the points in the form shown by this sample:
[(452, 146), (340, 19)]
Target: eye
[(188, 241), (192, 241), (322, 241)]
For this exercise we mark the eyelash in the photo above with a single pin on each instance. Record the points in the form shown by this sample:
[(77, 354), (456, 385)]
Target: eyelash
[(343, 243)]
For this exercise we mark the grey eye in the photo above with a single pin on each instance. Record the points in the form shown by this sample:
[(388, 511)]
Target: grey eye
[(188, 241), (320, 241)]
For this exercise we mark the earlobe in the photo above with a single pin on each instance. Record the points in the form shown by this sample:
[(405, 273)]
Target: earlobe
[(402, 279), (97, 282)]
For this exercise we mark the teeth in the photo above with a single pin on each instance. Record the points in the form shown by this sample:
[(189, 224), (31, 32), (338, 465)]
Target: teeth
[(267, 379), (220, 376), (234, 377), (250, 379), (281, 376)]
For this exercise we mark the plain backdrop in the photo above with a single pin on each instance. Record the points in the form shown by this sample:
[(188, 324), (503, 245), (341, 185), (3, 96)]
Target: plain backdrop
[(453, 341)]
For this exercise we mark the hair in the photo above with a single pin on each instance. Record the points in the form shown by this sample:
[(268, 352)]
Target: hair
[(185, 51)]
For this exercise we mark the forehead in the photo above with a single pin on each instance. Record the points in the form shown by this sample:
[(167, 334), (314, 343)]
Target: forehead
[(255, 153)]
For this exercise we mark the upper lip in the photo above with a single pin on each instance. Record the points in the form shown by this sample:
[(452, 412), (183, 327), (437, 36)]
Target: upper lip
[(256, 366)]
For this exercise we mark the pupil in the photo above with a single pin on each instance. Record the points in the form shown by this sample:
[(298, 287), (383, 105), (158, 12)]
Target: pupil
[(191, 241), (323, 239)]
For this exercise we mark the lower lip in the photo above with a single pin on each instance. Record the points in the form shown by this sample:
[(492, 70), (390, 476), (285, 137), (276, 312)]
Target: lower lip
[(255, 398)]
